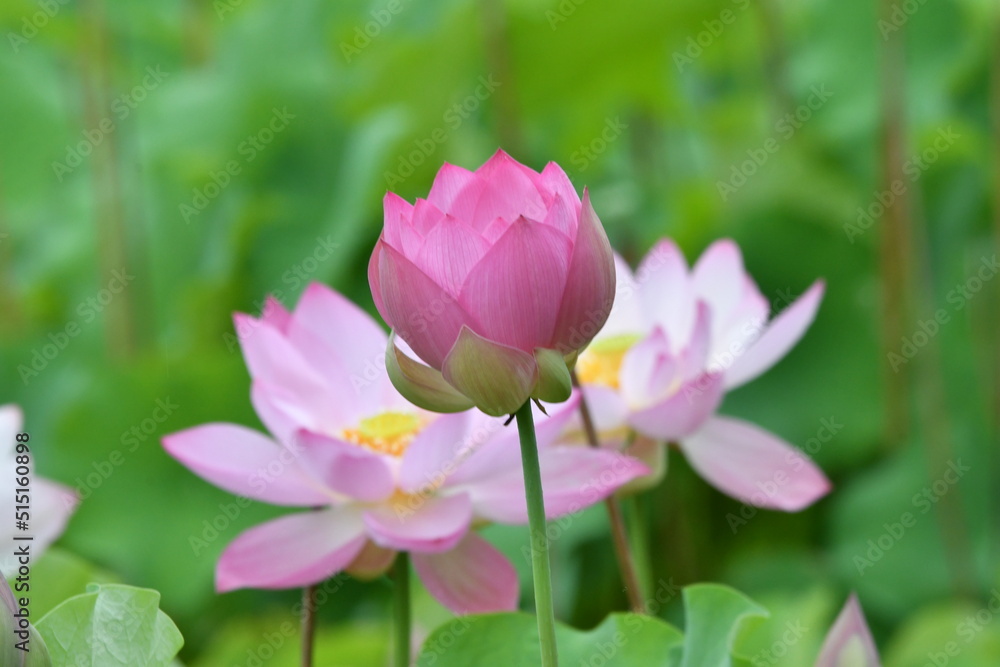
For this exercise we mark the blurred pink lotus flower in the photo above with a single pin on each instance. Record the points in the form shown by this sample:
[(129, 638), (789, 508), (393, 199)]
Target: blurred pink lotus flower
[(496, 281), (51, 503), (675, 342), (380, 475), (849, 642)]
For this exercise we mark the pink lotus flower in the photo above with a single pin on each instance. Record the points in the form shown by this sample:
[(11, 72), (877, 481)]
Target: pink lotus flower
[(379, 474), (496, 281), (675, 342), (51, 503), (849, 643)]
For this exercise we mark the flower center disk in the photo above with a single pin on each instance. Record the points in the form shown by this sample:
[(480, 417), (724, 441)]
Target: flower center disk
[(387, 433), (601, 363)]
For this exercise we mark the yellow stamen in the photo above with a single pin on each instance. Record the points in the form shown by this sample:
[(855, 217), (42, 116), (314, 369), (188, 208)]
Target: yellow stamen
[(601, 363), (388, 433)]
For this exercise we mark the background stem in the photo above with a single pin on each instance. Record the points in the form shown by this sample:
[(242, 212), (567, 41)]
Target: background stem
[(619, 534), (308, 624), (540, 567), (401, 575)]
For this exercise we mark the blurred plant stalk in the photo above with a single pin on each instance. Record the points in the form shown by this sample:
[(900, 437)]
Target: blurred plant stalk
[(619, 533), (308, 624), (907, 285), (96, 66)]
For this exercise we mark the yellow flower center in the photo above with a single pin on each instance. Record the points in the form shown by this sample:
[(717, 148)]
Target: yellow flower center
[(388, 433), (601, 363)]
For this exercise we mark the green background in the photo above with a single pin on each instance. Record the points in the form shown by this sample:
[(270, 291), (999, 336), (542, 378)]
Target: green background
[(120, 119)]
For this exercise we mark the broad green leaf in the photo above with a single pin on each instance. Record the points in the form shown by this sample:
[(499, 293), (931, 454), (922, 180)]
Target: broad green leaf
[(111, 626), (714, 614), (622, 640)]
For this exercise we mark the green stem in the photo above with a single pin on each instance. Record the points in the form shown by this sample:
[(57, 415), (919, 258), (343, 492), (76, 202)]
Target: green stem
[(401, 574), (541, 570)]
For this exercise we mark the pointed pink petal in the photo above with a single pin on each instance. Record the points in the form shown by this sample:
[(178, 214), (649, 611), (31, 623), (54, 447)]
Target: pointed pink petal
[(375, 280), (272, 359), (849, 642), (421, 311), (554, 183), (564, 216), (627, 316), (472, 578), (245, 462), (666, 291), (428, 524), (279, 412), (641, 363), (345, 345), (718, 277), (426, 216), (435, 452), (515, 290), (451, 250), (573, 478), (754, 466), (397, 214), (291, 552), (683, 413), (694, 358), (506, 190), (590, 285), (732, 337), (781, 335), (344, 467), (449, 184), (275, 314)]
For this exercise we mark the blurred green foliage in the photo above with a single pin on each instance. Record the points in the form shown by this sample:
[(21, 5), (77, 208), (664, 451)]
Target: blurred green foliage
[(219, 151)]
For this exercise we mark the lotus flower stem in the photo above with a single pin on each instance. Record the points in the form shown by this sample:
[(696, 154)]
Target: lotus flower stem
[(308, 624), (540, 567), (619, 534), (401, 575)]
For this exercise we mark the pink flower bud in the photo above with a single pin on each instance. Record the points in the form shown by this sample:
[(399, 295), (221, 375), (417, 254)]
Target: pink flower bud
[(496, 281)]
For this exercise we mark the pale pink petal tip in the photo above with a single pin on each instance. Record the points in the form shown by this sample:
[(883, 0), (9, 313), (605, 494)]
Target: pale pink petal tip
[(849, 642)]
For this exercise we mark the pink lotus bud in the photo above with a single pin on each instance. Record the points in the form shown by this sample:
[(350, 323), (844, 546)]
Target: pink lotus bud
[(496, 281), (849, 643)]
